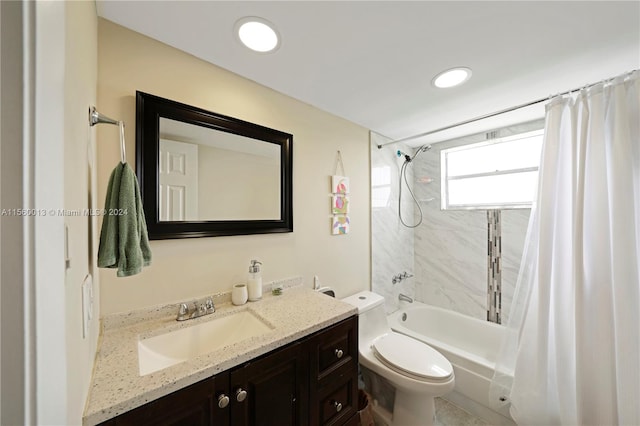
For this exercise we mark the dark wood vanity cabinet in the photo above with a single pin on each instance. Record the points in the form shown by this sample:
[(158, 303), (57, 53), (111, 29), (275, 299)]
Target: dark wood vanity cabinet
[(276, 389), (191, 406), (309, 382), (333, 356)]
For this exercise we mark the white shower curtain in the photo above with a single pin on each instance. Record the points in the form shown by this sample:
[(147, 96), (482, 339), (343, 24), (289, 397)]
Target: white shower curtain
[(572, 352)]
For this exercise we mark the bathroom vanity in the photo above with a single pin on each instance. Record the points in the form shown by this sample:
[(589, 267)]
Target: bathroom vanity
[(312, 381), (302, 372)]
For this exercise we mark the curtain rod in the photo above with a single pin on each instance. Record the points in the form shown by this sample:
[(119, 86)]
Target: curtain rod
[(493, 114)]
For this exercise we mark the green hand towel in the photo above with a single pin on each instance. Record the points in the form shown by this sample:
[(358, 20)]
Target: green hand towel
[(124, 243)]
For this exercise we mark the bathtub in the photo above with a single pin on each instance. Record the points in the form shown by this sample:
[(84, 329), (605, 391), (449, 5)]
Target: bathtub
[(471, 345)]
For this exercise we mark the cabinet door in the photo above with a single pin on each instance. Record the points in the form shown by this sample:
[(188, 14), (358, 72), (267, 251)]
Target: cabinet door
[(276, 389), (191, 406), (221, 414)]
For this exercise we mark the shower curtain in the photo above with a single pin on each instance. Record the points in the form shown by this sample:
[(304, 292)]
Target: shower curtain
[(572, 351)]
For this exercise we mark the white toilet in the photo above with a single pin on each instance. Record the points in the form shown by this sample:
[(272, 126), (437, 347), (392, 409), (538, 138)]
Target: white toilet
[(418, 372)]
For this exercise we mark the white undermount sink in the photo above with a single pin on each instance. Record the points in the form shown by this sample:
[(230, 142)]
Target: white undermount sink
[(165, 350)]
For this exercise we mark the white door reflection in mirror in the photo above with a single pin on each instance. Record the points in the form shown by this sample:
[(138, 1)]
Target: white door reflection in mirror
[(178, 174)]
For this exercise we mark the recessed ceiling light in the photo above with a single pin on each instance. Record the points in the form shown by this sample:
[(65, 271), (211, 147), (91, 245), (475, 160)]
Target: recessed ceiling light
[(257, 34), (452, 77)]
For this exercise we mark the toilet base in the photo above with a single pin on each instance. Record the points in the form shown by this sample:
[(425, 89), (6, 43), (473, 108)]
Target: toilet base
[(410, 409), (381, 417)]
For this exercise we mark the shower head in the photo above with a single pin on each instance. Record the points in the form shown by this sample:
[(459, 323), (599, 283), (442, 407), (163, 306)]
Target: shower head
[(408, 158)]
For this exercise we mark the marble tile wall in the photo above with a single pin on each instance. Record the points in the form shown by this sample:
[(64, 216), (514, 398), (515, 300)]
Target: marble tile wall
[(392, 243), (451, 245), (514, 232), (448, 252)]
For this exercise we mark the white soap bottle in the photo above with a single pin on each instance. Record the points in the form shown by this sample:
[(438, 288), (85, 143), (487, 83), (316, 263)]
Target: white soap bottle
[(254, 282)]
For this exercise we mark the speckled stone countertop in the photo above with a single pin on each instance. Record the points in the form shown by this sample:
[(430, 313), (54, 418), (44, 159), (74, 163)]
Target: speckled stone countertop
[(117, 387)]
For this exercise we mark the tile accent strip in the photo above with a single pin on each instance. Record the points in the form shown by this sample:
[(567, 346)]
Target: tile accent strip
[(494, 266)]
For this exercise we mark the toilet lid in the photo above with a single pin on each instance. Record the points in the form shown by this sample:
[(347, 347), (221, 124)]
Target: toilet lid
[(412, 357)]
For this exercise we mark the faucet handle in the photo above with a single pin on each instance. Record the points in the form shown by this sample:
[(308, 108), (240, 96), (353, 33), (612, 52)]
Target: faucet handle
[(183, 312), (183, 309), (208, 304)]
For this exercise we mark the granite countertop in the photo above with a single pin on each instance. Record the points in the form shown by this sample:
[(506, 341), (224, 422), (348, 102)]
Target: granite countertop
[(117, 387)]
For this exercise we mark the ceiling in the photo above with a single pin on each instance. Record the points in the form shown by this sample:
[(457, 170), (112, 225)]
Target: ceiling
[(372, 62)]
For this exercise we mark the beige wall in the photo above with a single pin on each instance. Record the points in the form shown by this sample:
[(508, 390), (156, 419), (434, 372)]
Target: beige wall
[(223, 197), (80, 186), (183, 269)]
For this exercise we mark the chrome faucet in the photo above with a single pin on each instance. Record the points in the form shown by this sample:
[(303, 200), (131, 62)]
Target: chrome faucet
[(200, 308), (404, 297)]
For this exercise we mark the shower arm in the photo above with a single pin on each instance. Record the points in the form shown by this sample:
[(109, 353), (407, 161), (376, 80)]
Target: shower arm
[(96, 118)]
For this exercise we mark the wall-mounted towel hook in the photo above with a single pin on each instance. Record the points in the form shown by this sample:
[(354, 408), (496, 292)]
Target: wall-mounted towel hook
[(96, 118)]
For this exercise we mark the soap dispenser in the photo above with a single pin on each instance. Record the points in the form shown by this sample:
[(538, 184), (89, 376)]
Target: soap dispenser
[(254, 282)]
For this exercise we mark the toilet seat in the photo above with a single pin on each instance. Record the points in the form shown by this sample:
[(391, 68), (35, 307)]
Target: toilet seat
[(411, 357)]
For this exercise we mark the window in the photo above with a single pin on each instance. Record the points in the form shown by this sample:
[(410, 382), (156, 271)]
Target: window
[(496, 174), (380, 186)]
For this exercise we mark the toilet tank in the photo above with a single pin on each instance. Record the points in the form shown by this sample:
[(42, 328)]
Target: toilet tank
[(372, 319)]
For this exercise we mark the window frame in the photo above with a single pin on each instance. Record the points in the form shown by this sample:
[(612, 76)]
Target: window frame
[(444, 178)]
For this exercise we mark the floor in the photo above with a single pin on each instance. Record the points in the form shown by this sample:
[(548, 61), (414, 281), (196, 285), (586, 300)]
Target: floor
[(448, 414)]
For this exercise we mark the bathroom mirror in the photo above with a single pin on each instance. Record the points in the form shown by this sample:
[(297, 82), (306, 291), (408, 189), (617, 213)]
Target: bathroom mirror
[(204, 174)]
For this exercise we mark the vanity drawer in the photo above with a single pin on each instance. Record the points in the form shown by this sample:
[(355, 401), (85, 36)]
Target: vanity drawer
[(335, 348), (337, 401)]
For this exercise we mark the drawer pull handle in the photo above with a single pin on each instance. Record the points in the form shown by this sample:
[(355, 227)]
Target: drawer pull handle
[(223, 401), (338, 353), (338, 406), (241, 395)]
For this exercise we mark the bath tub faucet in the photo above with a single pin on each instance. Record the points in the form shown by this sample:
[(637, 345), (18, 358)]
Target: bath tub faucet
[(404, 297)]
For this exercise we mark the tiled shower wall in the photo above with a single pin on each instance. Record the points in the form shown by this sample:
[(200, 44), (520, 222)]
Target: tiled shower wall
[(451, 248), (448, 252), (392, 243)]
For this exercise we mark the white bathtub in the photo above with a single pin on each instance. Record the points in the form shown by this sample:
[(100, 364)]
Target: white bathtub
[(471, 345)]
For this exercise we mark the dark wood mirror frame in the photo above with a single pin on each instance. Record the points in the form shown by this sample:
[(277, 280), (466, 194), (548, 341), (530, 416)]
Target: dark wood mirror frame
[(149, 110)]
